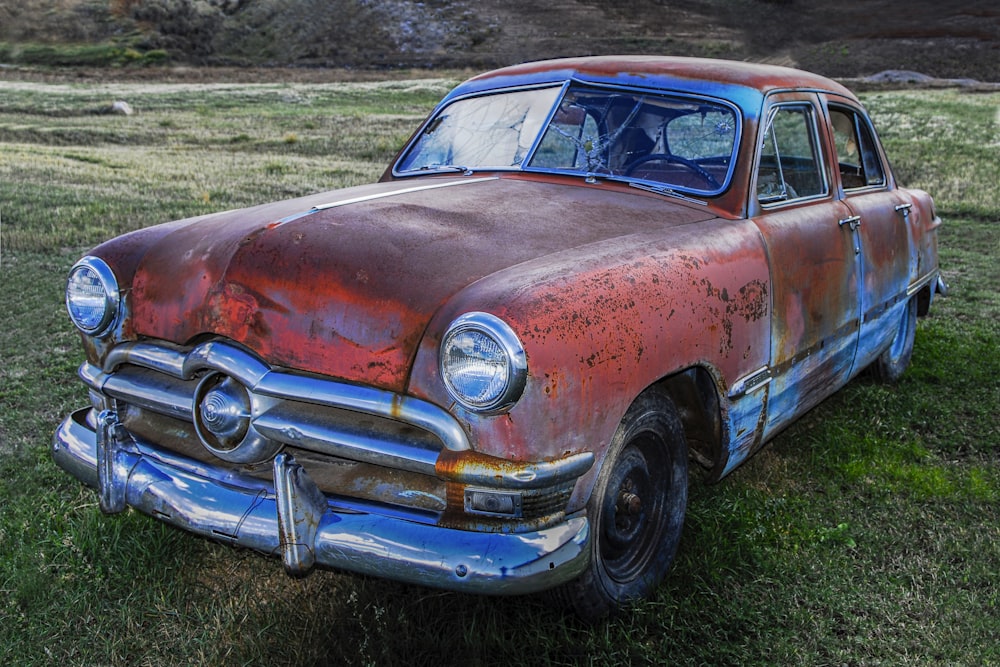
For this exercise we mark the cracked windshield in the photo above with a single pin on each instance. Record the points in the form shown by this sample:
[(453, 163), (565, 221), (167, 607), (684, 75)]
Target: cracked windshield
[(675, 142)]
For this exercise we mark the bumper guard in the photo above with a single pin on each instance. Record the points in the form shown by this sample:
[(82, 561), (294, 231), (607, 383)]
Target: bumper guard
[(293, 519)]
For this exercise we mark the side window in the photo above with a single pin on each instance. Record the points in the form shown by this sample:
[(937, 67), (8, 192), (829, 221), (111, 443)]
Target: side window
[(857, 157), (790, 165)]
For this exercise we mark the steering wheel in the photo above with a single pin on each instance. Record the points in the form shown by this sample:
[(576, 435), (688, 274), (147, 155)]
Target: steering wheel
[(690, 164)]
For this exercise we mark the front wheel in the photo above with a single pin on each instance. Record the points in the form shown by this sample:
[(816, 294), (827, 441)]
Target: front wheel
[(892, 363), (636, 509)]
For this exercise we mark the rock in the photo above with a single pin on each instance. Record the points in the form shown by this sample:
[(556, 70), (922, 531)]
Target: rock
[(899, 76), (118, 108)]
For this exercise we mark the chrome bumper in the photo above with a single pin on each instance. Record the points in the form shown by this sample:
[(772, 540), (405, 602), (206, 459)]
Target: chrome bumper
[(292, 519)]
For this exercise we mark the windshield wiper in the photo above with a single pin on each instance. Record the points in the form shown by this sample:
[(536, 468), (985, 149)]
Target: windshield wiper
[(666, 192), (446, 167)]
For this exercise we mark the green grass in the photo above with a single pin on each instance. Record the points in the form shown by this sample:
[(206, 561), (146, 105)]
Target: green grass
[(867, 533), (79, 55)]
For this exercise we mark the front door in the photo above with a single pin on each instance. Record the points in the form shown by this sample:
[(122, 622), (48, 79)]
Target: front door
[(815, 273)]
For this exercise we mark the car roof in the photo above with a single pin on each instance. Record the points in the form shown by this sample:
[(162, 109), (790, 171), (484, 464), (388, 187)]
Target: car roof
[(741, 82)]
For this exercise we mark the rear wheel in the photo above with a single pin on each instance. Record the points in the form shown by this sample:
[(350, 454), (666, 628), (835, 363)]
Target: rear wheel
[(636, 509), (892, 363)]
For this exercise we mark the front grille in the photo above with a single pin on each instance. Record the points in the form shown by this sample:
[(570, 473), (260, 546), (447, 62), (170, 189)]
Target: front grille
[(340, 478), (334, 430), (366, 449)]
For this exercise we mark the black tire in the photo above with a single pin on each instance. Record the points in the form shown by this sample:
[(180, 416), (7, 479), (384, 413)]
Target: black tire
[(636, 510), (892, 363)]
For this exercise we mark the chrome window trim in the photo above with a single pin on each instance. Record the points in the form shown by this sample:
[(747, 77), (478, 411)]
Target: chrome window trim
[(821, 156)]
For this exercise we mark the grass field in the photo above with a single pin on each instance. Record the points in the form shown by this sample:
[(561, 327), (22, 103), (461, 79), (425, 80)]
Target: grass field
[(868, 533)]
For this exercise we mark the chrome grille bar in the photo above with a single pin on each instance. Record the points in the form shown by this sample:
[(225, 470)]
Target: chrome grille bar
[(183, 364)]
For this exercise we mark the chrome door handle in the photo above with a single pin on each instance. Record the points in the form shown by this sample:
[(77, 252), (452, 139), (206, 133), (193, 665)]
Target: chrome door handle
[(853, 222), (905, 210)]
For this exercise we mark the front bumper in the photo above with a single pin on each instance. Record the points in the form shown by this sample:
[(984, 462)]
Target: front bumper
[(289, 517)]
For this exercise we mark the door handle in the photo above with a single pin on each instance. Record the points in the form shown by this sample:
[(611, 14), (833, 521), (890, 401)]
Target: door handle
[(905, 210), (853, 222)]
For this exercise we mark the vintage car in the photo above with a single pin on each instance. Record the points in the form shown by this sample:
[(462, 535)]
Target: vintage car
[(488, 371)]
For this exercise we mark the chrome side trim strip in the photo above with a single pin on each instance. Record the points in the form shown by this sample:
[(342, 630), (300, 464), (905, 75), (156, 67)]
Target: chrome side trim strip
[(404, 191), (751, 382), (920, 283)]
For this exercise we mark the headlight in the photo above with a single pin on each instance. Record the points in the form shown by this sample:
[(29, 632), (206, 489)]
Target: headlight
[(483, 363), (92, 295)]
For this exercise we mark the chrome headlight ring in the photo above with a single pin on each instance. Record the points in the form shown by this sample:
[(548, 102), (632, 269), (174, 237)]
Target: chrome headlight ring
[(483, 363), (92, 296)]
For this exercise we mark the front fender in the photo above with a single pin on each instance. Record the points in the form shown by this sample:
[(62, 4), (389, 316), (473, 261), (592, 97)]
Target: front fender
[(601, 323)]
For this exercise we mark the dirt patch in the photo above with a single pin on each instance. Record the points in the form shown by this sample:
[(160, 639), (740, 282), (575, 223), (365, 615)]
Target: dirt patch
[(847, 39)]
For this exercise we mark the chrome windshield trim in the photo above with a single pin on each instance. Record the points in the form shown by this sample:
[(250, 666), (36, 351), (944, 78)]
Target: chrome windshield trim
[(567, 84), (665, 191)]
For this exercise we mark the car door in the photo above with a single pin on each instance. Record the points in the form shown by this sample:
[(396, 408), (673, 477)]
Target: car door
[(811, 251), (880, 223)]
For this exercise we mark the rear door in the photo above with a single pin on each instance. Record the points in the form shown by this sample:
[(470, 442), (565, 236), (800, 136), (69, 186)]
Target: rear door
[(880, 223)]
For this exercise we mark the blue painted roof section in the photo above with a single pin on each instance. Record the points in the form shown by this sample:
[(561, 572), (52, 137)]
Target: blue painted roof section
[(744, 84)]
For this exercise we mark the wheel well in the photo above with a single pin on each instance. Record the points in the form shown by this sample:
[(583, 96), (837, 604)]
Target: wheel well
[(924, 297), (694, 393)]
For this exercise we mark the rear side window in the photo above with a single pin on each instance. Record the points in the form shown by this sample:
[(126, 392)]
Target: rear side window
[(790, 165), (857, 157)]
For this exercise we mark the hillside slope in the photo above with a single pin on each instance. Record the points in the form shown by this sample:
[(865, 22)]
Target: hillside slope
[(947, 40)]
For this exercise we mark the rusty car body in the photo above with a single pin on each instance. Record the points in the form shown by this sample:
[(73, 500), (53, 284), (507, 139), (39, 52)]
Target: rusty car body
[(488, 371)]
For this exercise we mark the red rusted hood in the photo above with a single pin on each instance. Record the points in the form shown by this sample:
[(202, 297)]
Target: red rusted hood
[(347, 290)]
